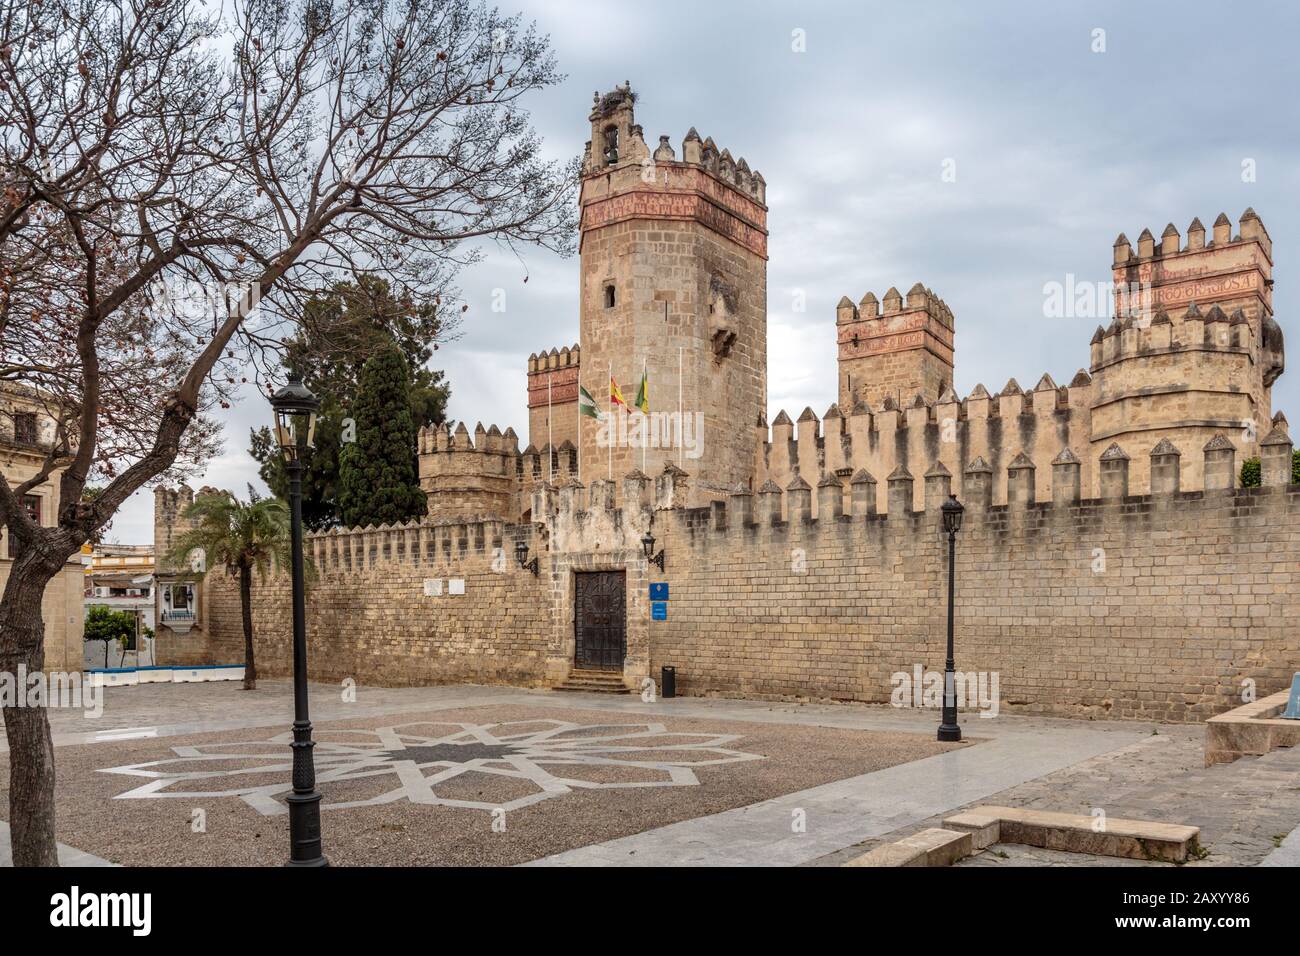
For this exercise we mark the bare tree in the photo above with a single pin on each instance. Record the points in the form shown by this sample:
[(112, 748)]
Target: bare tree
[(153, 150)]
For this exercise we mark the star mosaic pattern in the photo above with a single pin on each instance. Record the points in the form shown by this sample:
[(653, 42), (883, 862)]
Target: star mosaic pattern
[(524, 762)]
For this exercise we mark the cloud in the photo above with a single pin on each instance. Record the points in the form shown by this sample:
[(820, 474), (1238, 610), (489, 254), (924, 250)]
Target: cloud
[(1056, 148)]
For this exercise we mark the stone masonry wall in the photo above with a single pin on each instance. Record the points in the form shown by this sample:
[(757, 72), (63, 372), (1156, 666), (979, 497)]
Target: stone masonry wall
[(993, 428), (1139, 607), (1161, 606), (369, 619)]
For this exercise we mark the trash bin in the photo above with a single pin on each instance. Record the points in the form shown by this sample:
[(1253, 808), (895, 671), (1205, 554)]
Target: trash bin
[(668, 682)]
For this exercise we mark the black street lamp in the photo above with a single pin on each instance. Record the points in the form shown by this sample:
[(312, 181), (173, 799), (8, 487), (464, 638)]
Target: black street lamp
[(521, 555), (648, 545), (295, 427), (948, 730)]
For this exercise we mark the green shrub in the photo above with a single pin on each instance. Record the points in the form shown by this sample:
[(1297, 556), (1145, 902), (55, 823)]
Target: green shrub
[(1250, 474)]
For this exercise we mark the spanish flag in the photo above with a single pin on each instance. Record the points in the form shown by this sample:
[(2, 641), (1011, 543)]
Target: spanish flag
[(615, 393), (643, 394)]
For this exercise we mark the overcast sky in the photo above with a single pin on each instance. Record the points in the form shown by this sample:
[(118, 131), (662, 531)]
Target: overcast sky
[(1056, 149)]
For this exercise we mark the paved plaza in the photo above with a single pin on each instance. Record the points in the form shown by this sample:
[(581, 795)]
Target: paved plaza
[(196, 774)]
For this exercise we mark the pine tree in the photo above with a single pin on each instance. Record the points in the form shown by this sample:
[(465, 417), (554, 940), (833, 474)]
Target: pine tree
[(342, 327), (378, 479)]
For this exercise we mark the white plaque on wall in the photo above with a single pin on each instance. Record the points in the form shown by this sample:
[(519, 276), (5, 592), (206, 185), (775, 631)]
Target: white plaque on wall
[(433, 587), (455, 585)]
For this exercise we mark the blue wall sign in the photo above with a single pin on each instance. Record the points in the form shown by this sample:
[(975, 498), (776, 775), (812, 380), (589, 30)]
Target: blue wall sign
[(659, 591), (1292, 711), (658, 610)]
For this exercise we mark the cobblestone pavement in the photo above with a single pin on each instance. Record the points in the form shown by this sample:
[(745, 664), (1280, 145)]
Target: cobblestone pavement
[(487, 784), (1244, 809)]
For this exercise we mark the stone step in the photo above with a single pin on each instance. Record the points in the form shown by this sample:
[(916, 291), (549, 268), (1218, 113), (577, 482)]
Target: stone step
[(1076, 833), (932, 847), (593, 688), (595, 682)]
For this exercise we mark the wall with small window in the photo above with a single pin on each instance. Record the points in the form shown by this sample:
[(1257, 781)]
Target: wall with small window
[(37, 508), (26, 431)]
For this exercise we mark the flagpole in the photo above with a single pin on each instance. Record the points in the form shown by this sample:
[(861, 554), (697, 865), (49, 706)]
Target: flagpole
[(645, 430), (681, 415), (578, 405), (610, 438), (550, 439)]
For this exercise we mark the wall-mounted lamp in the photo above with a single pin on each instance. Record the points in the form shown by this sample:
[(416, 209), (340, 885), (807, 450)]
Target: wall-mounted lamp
[(648, 545), (521, 555)]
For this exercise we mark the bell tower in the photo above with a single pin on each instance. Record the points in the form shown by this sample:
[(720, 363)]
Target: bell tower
[(674, 281)]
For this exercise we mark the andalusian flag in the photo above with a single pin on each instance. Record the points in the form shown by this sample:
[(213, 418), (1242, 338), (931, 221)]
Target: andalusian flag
[(616, 393), (643, 394), (587, 404)]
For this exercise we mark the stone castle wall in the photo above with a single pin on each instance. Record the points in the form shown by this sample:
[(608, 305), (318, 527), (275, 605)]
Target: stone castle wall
[(673, 281), (553, 396), (369, 618), (1157, 606), (1192, 353), (1109, 565), (992, 428)]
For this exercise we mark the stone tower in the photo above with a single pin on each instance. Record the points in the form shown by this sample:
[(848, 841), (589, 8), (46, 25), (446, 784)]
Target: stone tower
[(466, 477), (899, 352), (1193, 350), (553, 396), (674, 279)]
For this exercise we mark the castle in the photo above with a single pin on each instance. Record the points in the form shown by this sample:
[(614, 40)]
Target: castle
[(1109, 564), (673, 281)]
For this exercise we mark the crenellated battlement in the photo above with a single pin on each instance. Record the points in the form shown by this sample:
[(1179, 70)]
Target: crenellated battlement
[(553, 380), (464, 475), (1169, 276), (704, 154), (618, 143), (482, 544), (1193, 349), (550, 463), (570, 517), (896, 347), (544, 361), (919, 299), (1250, 229), (919, 433), (1194, 329), (434, 439), (1040, 492)]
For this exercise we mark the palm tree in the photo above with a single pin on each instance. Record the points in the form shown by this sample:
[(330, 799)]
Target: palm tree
[(241, 537)]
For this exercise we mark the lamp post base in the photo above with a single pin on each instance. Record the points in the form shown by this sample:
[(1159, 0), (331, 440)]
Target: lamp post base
[(949, 732), (304, 830)]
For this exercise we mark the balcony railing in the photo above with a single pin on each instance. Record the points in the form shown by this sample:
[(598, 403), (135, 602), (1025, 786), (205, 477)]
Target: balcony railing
[(178, 621)]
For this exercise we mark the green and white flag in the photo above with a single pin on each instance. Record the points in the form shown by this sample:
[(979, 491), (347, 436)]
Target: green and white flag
[(587, 404)]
